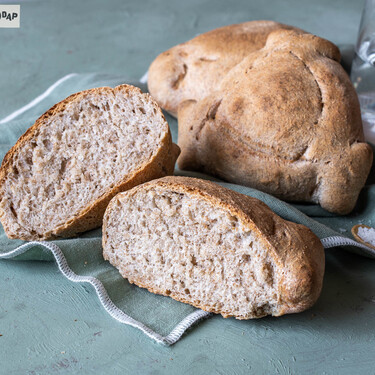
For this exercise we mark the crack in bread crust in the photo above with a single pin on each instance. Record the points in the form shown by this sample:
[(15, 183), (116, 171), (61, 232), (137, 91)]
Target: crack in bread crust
[(176, 83), (317, 84)]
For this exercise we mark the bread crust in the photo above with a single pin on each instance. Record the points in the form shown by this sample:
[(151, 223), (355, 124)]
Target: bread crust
[(192, 70), (295, 249), (286, 120), (161, 164)]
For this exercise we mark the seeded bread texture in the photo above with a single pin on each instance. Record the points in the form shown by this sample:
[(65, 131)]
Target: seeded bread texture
[(286, 120), (213, 248), (59, 177), (194, 69)]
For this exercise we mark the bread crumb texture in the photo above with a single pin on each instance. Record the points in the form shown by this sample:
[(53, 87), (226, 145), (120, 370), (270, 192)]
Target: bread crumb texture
[(76, 154), (181, 244)]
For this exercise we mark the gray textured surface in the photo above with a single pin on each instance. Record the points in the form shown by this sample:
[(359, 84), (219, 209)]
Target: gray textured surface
[(49, 325)]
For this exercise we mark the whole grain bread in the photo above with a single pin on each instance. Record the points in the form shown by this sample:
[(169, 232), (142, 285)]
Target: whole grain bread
[(192, 70), (213, 248), (59, 177), (286, 120)]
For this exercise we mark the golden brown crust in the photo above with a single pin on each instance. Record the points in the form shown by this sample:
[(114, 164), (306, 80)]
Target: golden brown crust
[(297, 252), (192, 70), (286, 120), (90, 217)]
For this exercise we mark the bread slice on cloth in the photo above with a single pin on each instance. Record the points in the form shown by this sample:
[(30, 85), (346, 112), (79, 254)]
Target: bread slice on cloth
[(59, 177), (192, 70), (213, 248), (285, 120)]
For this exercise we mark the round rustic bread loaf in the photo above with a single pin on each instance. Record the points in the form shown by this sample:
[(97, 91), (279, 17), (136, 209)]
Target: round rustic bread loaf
[(285, 120)]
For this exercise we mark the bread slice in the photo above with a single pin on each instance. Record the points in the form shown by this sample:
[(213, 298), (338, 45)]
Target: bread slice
[(285, 120), (192, 70), (213, 248), (59, 177)]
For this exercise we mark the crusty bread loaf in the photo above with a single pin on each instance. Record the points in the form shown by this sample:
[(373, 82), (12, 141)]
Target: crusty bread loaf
[(211, 247), (192, 70), (286, 120), (59, 177)]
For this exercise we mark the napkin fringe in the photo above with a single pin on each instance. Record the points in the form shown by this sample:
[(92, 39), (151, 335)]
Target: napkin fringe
[(118, 314), (102, 294), (335, 241)]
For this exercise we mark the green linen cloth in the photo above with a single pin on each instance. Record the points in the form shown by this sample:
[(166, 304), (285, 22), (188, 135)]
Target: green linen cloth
[(84, 253)]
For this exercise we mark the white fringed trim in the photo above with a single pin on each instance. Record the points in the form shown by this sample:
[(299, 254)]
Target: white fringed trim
[(334, 241), (106, 302), (118, 314)]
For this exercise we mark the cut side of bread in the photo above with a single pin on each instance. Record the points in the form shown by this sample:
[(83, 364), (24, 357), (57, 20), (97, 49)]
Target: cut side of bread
[(213, 248), (59, 177)]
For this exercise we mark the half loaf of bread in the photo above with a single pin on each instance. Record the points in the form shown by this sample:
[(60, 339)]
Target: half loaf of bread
[(194, 69), (213, 248), (59, 177)]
